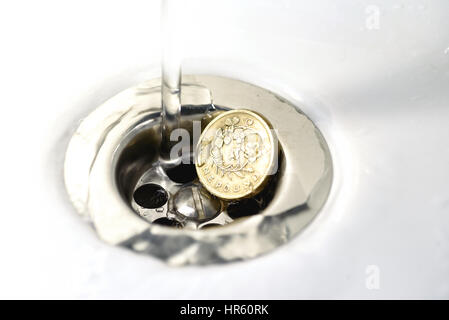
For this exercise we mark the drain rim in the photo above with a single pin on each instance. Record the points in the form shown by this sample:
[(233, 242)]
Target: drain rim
[(122, 226)]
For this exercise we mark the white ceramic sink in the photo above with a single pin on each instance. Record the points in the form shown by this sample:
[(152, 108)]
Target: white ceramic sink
[(373, 77)]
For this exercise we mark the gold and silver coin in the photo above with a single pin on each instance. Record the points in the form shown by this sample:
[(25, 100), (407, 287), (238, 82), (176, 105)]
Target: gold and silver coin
[(236, 154)]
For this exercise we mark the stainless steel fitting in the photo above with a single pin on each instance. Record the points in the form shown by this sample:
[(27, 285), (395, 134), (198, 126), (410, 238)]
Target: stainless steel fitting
[(115, 181)]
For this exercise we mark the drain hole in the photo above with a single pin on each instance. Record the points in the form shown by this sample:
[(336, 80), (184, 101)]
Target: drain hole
[(183, 173), (150, 196), (211, 225), (167, 222), (243, 208)]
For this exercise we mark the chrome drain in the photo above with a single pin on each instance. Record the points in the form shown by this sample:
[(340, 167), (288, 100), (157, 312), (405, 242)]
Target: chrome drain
[(115, 180)]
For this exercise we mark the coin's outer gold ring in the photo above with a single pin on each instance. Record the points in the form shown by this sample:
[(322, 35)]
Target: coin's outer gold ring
[(268, 170)]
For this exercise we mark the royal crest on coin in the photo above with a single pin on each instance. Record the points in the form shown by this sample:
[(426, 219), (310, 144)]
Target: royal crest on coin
[(233, 154)]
